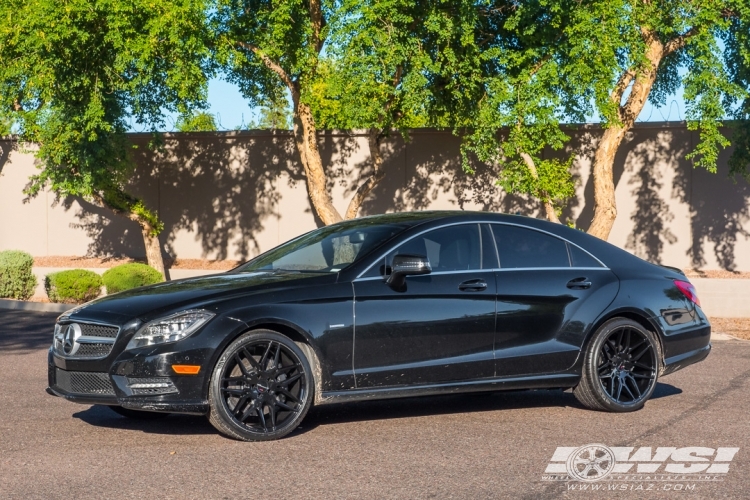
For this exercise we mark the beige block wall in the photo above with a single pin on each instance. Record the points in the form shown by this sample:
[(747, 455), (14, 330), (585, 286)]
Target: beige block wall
[(232, 195)]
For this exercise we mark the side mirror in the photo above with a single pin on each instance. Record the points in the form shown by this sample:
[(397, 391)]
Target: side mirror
[(407, 265)]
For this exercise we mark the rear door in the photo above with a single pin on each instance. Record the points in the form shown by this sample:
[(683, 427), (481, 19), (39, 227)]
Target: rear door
[(440, 328), (549, 291)]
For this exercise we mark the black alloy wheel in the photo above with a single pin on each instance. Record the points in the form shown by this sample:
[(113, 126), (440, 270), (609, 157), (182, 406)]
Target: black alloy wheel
[(261, 387), (621, 367), (138, 414)]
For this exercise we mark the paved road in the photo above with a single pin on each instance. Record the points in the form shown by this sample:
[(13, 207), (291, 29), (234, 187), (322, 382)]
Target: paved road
[(470, 446)]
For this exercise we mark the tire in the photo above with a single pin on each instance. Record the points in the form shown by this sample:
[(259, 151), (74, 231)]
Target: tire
[(261, 388), (620, 368), (138, 414)]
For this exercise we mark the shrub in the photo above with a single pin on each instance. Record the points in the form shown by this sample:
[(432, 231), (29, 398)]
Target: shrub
[(75, 286), (16, 279), (127, 276)]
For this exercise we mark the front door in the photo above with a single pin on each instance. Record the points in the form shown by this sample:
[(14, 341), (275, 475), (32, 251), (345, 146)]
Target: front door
[(439, 327)]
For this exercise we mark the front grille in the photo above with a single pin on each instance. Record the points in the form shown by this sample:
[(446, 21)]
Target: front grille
[(98, 330), (86, 346), (92, 350), (84, 382)]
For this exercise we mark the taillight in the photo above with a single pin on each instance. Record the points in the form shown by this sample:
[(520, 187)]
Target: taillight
[(688, 290)]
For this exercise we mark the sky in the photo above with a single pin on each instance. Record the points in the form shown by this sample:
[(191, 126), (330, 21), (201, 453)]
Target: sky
[(232, 111)]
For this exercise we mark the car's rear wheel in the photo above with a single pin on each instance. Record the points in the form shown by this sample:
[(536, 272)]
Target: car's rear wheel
[(138, 414), (261, 387), (620, 368)]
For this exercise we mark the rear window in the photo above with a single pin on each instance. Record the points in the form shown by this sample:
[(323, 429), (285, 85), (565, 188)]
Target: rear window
[(525, 248)]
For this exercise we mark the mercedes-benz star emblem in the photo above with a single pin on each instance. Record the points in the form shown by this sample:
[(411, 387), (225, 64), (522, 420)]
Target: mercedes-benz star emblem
[(71, 333)]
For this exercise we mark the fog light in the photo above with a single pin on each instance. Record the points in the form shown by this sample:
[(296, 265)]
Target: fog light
[(151, 386)]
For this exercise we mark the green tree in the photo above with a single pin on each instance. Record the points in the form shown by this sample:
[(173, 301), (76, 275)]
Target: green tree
[(196, 122), (267, 48), (626, 52), (376, 75), (74, 72), (515, 94), (274, 115)]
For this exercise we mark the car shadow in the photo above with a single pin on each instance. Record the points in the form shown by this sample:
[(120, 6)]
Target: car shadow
[(363, 411)]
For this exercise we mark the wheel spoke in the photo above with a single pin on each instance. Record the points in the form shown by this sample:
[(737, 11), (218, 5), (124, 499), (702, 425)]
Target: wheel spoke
[(635, 386), (639, 375), (264, 359), (625, 386), (262, 417), (619, 339), (250, 410), (638, 356), (642, 366), (636, 346), (234, 392), (241, 365), (277, 357), (284, 406), (240, 404), (289, 395), (293, 378), (287, 369), (619, 389), (251, 359), (272, 414)]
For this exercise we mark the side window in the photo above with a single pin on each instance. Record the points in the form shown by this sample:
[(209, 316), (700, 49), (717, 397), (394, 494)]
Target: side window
[(579, 258), (452, 248), (525, 248)]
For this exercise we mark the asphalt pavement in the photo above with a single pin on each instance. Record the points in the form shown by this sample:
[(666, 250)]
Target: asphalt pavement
[(493, 445)]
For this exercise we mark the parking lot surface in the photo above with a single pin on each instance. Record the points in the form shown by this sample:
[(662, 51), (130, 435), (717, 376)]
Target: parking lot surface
[(492, 445)]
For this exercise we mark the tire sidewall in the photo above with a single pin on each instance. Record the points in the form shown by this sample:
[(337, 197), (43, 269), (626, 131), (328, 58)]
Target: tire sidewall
[(218, 405), (591, 371)]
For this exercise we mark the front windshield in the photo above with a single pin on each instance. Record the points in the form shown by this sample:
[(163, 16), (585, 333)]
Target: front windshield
[(328, 249)]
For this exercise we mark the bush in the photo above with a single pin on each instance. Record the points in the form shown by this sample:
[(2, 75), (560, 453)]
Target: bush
[(127, 276), (16, 279), (75, 286)]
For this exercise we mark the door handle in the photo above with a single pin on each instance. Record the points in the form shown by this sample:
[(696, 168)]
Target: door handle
[(579, 284), (473, 285)]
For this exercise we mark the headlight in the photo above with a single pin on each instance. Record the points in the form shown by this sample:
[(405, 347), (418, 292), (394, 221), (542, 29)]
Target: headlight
[(170, 329)]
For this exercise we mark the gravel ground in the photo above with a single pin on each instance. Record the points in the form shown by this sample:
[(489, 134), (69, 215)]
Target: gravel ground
[(465, 446), (736, 327)]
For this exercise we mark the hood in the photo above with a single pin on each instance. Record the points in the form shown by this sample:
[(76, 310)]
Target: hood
[(148, 302)]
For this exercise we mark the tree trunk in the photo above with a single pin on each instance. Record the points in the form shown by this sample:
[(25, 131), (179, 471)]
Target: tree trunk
[(374, 140), (605, 205), (549, 209), (153, 249), (306, 140)]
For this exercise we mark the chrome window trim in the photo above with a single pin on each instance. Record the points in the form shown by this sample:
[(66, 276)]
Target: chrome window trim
[(382, 256)]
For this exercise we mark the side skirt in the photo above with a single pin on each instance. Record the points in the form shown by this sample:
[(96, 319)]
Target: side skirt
[(556, 380)]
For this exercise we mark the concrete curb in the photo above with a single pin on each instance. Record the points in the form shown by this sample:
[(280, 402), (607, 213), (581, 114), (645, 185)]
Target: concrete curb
[(21, 305)]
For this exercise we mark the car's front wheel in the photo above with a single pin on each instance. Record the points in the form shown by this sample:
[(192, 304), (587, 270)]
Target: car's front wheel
[(261, 387), (620, 367)]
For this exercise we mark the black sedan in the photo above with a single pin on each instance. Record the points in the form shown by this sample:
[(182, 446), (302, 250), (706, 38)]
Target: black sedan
[(397, 305)]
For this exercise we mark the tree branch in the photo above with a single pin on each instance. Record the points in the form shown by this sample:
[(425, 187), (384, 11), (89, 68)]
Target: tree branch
[(678, 42), (273, 66)]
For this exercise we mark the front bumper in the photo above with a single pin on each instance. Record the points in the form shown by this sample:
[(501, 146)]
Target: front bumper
[(143, 379)]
